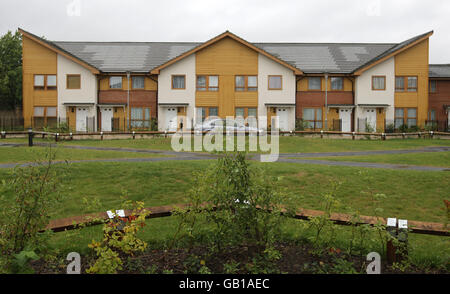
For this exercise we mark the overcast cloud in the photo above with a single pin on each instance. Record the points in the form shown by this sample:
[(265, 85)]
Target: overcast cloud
[(387, 21)]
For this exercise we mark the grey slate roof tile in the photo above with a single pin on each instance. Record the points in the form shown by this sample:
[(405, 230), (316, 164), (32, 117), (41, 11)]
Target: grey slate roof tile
[(439, 70), (342, 58)]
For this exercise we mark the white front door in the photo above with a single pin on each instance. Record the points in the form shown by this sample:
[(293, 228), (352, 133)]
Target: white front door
[(345, 115), (283, 116), (171, 119), (82, 114), (371, 116), (107, 115)]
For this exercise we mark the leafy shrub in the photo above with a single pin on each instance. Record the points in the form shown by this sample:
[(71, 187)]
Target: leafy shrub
[(300, 124), (119, 238), (236, 199), (27, 202), (390, 128)]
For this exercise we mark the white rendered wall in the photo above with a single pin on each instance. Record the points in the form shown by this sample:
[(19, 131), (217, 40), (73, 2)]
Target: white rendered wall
[(166, 94), (286, 95), (87, 92), (365, 95)]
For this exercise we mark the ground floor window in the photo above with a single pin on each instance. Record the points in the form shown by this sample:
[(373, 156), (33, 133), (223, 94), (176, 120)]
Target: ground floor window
[(44, 116), (205, 112), (313, 118), (140, 117), (245, 112), (405, 117)]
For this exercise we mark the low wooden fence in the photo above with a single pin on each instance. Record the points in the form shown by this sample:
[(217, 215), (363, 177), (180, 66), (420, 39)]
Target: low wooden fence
[(418, 227), (133, 134)]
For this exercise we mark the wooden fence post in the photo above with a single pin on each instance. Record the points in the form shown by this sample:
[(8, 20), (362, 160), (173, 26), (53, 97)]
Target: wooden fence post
[(30, 137)]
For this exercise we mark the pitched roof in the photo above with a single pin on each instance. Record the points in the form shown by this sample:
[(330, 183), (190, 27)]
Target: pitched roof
[(126, 56), (331, 58), (228, 34), (393, 51), (439, 71), (52, 46), (310, 58)]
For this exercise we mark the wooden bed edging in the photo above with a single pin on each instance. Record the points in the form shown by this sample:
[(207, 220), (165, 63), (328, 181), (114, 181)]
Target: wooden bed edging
[(417, 227)]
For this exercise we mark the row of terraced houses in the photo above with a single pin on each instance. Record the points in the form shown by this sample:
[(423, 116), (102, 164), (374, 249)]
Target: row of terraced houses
[(115, 86)]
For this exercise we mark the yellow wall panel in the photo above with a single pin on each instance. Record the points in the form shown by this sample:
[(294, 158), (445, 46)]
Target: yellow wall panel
[(414, 62), (226, 59), (246, 99), (206, 99), (150, 84), (36, 60)]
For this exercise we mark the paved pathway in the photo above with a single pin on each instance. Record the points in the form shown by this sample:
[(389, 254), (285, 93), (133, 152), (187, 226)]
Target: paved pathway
[(285, 157)]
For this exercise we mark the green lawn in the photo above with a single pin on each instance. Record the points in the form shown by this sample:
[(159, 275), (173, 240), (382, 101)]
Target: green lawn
[(439, 159), (294, 144), (27, 154), (412, 195)]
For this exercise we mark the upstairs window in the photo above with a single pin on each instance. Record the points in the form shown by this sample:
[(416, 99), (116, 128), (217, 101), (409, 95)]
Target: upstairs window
[(405, 84), (399, 84), (246, 83), (337, 83), (39, 81), (210, 83), (275, 82), (45, 82), (178, 82), (51, 82), (315, 83), (73, 82), (412, 84), (379, 83), (115, 82), (138, 82)]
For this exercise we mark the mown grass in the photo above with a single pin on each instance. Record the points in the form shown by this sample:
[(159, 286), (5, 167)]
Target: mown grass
[(288, 144), (26, 154), (413, 195), (439, 159)]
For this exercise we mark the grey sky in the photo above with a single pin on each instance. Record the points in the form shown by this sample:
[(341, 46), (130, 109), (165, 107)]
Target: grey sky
[(386, 21)]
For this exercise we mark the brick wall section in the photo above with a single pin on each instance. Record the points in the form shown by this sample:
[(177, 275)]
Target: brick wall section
[(317, 99), (440, 98), (138, 98)]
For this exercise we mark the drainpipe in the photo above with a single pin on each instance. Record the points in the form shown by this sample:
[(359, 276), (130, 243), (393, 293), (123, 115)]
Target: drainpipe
[(128, 99), (326, 101)]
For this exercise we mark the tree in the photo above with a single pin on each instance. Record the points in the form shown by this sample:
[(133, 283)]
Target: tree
[(10, 70)]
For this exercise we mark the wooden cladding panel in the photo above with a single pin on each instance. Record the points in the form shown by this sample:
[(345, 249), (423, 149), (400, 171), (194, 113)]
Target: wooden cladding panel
[(246, 99), (205, 99), (227, 58), (414, 62), (36, 60), (226, 96)]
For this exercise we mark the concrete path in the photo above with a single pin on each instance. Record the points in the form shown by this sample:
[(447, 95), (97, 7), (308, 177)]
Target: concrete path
[(285, 157), (364, 164)]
